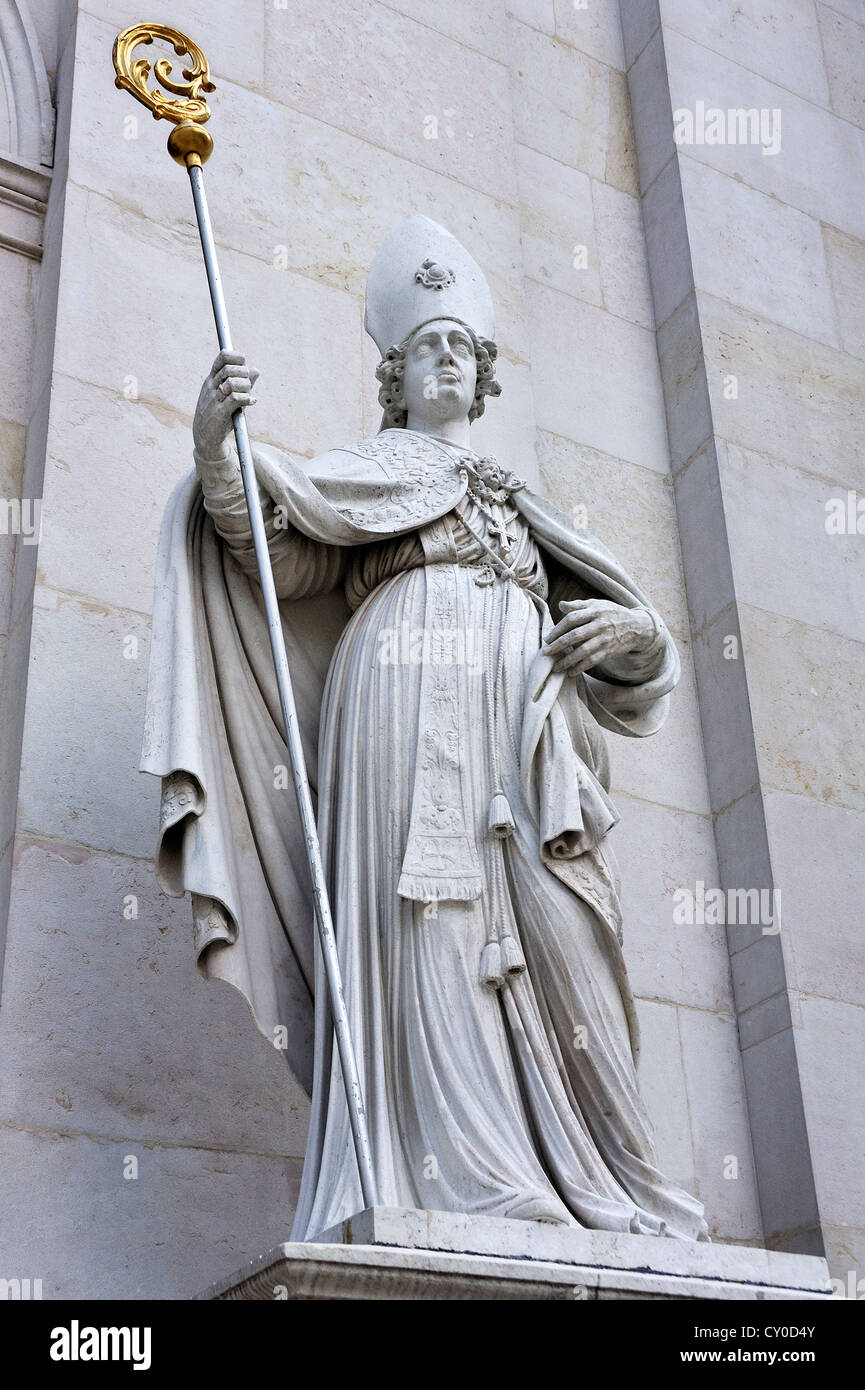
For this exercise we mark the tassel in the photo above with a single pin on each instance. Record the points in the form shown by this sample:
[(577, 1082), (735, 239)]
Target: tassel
[(513, 960), (491, 965), (501, 821)]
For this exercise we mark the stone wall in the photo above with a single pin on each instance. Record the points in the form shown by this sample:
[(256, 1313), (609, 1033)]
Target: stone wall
[(510, 124), (755, 247), (30, 45)]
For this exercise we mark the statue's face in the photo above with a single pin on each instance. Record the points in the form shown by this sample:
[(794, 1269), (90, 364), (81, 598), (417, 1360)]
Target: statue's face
[(440, 372)]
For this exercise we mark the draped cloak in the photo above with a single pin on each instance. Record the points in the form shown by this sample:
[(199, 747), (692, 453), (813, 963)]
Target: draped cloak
[(229, 831)]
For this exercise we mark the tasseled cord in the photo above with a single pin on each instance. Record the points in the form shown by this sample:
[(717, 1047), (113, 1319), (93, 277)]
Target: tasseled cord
[(501, 822), (502, 955)]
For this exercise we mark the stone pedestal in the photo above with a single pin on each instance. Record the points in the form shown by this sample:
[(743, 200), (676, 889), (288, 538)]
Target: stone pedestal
[(385, 1252)]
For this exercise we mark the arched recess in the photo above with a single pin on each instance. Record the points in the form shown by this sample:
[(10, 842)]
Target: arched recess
[(26, 110)]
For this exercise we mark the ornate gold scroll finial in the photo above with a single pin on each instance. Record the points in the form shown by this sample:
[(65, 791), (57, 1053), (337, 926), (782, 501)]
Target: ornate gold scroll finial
[(188, 143)]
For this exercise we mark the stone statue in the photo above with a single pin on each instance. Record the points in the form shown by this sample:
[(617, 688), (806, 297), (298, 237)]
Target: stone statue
[(457, 648)]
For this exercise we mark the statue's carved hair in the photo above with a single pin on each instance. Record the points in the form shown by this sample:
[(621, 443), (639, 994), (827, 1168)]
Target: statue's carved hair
[(390, 373)]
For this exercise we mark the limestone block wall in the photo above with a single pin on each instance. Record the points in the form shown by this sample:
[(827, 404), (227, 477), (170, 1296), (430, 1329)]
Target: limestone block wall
[(757, 253), (31, 44), (511, 124), (602, 448)]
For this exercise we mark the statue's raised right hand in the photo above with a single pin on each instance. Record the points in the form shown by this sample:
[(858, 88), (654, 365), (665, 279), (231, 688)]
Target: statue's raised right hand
[(228, 387)]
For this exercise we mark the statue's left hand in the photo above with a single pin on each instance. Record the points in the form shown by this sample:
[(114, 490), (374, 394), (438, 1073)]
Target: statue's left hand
[(594, 630)]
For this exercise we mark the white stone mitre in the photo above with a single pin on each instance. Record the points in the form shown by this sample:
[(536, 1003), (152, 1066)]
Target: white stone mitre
[(420, 273)]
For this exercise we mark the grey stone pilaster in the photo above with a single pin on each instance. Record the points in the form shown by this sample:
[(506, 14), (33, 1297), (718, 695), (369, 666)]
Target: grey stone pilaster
[(779, 1135)]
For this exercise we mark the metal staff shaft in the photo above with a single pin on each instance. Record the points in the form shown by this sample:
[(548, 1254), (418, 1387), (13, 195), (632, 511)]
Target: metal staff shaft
[(324, 921)]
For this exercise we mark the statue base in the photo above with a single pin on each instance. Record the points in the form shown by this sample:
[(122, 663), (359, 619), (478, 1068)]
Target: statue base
[(388, 1252)]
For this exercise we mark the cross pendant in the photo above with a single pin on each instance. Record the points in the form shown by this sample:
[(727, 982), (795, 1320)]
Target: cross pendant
[(499, 529)]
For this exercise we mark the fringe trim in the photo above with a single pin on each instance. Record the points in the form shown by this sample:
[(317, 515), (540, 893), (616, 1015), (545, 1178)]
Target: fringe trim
[(435, 890)]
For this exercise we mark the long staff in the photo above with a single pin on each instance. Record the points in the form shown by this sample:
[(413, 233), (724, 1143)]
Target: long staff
[(190, 144)]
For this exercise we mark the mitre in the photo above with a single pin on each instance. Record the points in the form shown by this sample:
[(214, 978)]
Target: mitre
[(420, 273)]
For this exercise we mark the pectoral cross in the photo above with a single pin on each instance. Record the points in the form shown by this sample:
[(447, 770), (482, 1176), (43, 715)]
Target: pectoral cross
[(499, 528)]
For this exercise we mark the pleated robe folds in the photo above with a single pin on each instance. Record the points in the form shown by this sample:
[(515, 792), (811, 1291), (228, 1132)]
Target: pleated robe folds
[(484, 977)]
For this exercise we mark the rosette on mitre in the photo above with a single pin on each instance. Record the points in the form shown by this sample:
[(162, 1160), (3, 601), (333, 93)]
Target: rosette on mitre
[(421, 273)]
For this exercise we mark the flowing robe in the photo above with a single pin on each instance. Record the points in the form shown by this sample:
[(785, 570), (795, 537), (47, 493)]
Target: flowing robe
[(485, 985)]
